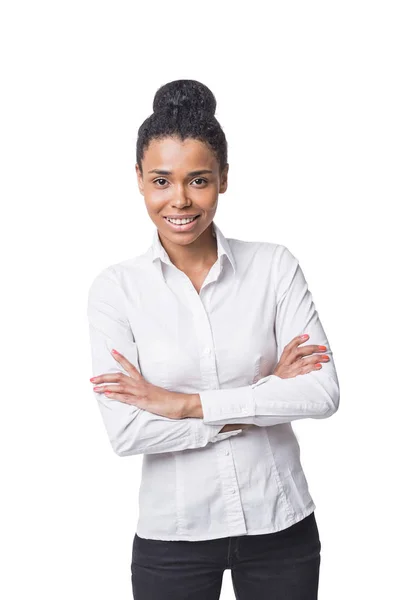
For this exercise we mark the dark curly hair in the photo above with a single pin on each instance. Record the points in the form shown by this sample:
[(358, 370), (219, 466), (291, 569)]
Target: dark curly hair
[(183, 108)]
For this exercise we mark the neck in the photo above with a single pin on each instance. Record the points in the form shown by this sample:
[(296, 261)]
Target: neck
[(194, 257)]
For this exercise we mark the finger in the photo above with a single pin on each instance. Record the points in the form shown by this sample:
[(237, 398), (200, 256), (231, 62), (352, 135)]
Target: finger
[(311, 367), (118, 388), (310, 349), (124, 362), (117, 377), (126, 398), (306, 365), (315, 359), (301, 368), (299, 339), (101, 389), (287, 354)]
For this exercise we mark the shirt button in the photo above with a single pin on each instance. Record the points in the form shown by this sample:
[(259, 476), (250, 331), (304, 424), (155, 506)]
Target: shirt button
[(233, 491), (207, 350), (227, 452)]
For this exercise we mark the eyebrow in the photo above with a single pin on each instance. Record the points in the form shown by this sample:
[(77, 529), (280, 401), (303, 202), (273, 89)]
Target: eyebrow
[(190, 174)]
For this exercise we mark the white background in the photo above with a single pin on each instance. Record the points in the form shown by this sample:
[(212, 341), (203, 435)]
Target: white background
[(308, 96)]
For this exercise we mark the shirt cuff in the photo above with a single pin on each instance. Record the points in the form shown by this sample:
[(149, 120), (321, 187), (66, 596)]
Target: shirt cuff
[(225, 434), (224, 405), (210, 433)]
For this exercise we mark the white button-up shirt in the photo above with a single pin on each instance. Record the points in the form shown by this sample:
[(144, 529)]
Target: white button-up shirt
[(223, 344)]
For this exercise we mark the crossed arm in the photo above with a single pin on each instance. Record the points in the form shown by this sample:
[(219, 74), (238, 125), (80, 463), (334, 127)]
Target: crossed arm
[(272, 399), (132, 430), (212, 415)]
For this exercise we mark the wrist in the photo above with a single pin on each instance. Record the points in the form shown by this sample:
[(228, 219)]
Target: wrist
[(192, 406)]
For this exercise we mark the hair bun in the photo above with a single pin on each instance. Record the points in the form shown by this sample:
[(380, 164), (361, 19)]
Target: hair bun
[(186, 95)]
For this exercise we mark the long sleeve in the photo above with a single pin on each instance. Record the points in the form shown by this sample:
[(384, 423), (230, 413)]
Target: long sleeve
[(273, 400), (132, 430)]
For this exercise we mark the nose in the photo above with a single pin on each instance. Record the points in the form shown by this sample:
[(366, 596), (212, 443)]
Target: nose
[(180, 198)]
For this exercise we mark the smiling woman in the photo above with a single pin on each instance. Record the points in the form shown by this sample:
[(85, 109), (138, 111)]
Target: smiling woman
[(182, 204), (184, 145), (211, 376)]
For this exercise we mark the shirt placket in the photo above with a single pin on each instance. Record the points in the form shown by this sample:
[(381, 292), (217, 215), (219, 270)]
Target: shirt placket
[(200, 306)]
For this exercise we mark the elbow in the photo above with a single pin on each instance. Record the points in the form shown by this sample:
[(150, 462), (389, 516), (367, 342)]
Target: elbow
[(331, 393), (125, 439), (334, 397), (332, 406), (121, 450), (122, 446), (123, 430)]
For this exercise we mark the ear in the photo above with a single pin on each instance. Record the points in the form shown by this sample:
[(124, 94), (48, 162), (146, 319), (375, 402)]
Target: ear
[(224, 180), (139, 179)]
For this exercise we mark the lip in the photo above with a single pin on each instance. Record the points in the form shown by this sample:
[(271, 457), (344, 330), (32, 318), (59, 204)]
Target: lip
[(186, 227), (185, 216)]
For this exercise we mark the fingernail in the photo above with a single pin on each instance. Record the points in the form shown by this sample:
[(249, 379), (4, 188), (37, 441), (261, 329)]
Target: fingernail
[(115, 352), (322, 347), (304, 336)]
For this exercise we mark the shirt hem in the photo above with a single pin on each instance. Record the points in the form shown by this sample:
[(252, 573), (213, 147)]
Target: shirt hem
[(187, 538), (297, 519)]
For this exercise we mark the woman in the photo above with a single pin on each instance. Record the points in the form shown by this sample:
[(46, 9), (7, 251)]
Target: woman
[(200, 363)]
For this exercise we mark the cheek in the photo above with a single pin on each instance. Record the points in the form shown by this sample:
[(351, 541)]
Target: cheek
[(155, 210), (155, 201), (208, 199)]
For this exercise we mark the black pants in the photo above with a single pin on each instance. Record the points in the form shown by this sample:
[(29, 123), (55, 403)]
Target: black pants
[(276, 566)]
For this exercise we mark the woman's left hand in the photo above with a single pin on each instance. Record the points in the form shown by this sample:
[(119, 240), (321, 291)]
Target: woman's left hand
[(135, 389)]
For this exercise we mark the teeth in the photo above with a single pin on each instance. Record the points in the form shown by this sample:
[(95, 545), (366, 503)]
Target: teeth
[(181, 221)]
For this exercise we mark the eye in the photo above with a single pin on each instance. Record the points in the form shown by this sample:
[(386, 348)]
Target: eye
[(163, 179), (159, 179)]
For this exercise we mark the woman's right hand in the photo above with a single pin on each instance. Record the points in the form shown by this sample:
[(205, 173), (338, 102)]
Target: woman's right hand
[(292, 362)]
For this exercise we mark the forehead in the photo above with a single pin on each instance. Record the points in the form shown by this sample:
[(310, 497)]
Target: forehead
[(172, 153)]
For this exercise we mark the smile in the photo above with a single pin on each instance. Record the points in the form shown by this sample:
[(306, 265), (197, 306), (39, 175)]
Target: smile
[(182, 224)]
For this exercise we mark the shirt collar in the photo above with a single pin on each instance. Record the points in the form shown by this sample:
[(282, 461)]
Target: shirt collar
[(223, 248)]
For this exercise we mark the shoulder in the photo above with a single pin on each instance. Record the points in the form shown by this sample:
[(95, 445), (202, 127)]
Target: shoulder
[(283, 256), (249, 251), (110, 280), (274, 253)]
